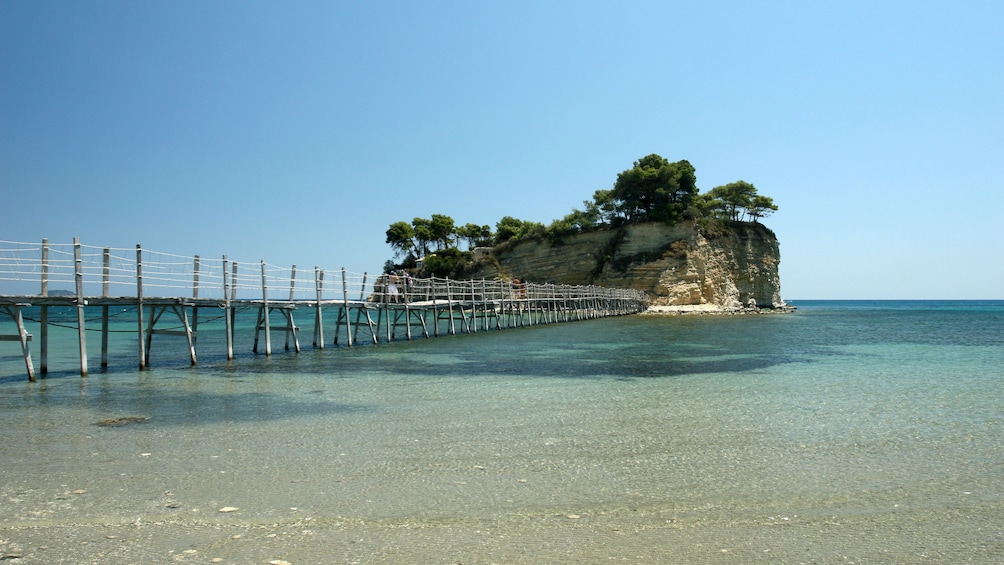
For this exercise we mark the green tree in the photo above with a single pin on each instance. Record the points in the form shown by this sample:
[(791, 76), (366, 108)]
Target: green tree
[(424, 235), (442, 231), (484, 239), (575, 222), (510, 228), (761, 206), (736, 197), (507, 228), (655, 189), (401, 237), (708, 205), (603, 207), (474, 234)]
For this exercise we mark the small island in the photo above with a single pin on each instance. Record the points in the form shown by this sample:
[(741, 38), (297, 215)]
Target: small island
[(653, 231)]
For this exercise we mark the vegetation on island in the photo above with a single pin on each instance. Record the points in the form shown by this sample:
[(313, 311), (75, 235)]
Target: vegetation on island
[(652, 190)]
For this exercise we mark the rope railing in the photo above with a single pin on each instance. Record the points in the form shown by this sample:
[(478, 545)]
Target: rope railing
[(48, 269), (31, 269), (435, 288)]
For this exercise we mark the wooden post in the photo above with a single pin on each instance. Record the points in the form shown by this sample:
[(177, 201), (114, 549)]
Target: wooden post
[(195, 305), (474, 310), (345, 304), (407, 306), (449, 303), (233, 296), (545, 303), (496, 306), (547, 307), (555, 306), (502, 301), (139, 307), (578, 303), (318, 321), (227, 307), (552, 303), (189, 333), (362, 308), (22, 336), (386, 306), (484, 306), (151, 322), (78, 276), (543, 295), (105, 274), (566, 307), (286, 313), (44, 320), (263, 316), (531, 300), (517, 306), (472, 321), (382, 304)]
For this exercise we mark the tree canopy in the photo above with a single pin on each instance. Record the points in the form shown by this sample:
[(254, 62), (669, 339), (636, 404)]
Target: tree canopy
[(511, 228), (474, 235), (401, 237), (655, 190), (737, 199), (419, 237)]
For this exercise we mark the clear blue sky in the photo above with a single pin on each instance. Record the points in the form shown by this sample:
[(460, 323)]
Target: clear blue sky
[(296, 132)]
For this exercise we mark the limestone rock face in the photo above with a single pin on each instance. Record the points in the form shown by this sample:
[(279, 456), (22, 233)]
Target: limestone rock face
[(674, 265)]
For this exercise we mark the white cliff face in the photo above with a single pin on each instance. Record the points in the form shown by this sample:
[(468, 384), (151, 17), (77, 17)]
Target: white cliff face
[(676, 265), (732, 271)]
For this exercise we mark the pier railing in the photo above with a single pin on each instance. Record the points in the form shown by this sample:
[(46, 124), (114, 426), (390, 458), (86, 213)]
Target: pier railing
[(156, 283), (56, 269)]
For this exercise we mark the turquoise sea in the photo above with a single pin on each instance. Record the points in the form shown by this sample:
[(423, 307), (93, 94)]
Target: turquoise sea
[(844, 432)]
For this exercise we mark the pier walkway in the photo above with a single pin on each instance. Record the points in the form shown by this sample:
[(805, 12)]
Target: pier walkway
[(346, 311)]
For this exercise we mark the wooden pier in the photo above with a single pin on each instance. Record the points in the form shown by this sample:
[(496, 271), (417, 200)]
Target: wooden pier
[(363, 310)]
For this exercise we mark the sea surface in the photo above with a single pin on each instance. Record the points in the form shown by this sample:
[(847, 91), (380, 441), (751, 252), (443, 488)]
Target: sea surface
[(843, 432)]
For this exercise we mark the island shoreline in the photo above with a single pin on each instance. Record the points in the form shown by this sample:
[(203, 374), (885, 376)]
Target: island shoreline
[(711, 310)]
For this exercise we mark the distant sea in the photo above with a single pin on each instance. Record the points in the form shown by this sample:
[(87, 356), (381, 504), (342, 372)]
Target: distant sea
[(844, 432)]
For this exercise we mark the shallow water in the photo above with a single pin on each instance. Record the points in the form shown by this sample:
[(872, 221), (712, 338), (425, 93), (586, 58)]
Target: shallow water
[(843, 432)]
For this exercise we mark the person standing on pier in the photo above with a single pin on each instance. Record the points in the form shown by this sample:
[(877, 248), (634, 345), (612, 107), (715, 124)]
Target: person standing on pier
[(393, 287), (519, 288)]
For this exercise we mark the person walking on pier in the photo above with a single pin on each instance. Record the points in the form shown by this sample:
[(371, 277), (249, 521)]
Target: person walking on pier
[(408, 281), (519, 288), (393, 287)]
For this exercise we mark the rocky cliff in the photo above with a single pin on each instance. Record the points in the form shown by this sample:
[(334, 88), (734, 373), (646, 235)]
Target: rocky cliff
[(734, 267)]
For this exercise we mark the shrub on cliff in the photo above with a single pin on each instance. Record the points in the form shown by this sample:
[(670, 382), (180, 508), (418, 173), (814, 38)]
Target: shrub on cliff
[(450, 262), (511, 228)]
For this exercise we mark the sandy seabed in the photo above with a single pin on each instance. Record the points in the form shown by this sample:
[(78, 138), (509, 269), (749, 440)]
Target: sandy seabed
[(621, 535)]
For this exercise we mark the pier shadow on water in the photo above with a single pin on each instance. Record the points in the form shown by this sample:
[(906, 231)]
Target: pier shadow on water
[(161, 398), (611, 348)]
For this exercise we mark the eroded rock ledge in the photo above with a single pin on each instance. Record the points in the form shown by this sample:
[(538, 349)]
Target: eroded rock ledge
[(731, 269)]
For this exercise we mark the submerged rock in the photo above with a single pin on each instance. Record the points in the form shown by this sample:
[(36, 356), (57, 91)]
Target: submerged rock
[(123, 421)]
